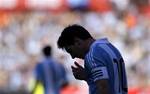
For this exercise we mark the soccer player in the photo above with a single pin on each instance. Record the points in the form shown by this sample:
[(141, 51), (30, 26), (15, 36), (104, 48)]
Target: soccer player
[(50, 73), (104, 68)]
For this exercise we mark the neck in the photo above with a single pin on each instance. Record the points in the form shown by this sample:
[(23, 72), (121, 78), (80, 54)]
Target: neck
[(89, 43)]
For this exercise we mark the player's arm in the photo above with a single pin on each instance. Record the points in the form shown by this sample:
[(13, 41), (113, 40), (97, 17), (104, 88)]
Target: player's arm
[(102, 86), (99, 72), (100, 77)]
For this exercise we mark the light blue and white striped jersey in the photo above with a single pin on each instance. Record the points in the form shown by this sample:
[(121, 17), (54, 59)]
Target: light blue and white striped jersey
[(52, 75), (104, 61)]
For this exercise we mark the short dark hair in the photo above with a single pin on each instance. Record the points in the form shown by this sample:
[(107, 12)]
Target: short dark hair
[(47, 50), (69, 33)]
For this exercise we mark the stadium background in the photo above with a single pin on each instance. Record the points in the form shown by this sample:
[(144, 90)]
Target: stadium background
[(27, 25)]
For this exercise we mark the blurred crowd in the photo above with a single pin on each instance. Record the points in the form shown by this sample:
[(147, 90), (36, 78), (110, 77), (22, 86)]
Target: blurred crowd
[(23, 34)]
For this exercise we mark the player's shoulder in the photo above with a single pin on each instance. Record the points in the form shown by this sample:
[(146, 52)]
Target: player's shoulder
[(96, 47), (99, 42)]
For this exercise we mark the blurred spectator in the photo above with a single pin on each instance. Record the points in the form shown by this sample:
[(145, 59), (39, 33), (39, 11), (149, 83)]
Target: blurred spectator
[(50, 74)]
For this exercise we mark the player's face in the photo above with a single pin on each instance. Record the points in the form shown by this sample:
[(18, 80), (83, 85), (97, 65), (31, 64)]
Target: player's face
[(75, 51), (72, 51)]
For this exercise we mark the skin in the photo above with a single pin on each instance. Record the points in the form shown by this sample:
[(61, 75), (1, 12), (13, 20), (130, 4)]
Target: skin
[(79, 50)]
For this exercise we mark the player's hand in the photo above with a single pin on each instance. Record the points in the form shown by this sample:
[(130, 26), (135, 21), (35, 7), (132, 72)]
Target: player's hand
[(79, 72)]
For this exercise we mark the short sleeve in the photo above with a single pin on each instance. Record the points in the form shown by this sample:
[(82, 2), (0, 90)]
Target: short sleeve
[(98, 68)]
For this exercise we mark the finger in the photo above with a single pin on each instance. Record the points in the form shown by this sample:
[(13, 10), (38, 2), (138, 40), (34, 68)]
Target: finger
[(77, 64), (73, 68)]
